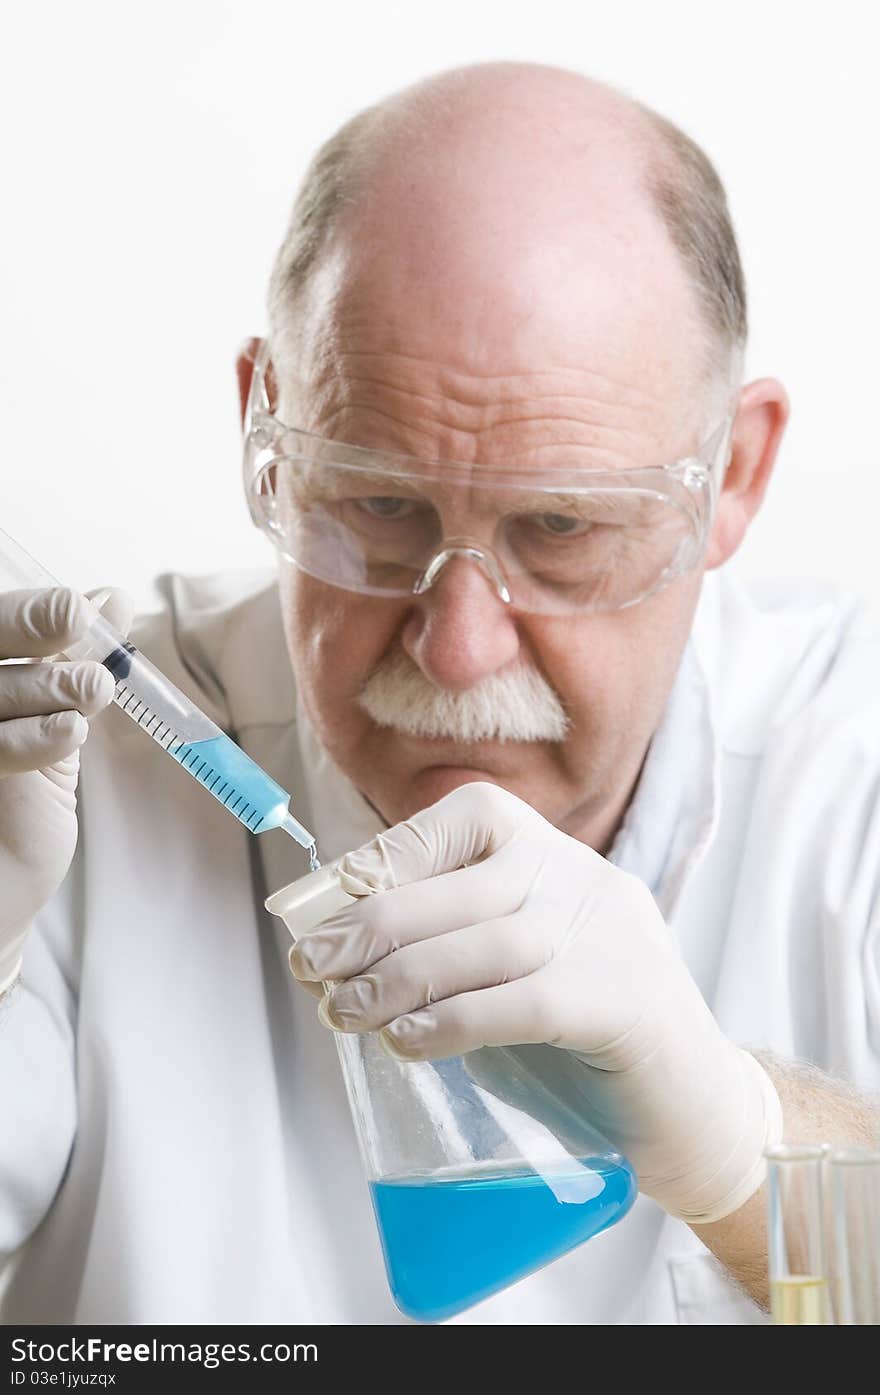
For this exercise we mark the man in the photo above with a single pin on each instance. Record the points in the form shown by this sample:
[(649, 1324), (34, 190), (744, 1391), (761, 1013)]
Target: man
[(507, 300)]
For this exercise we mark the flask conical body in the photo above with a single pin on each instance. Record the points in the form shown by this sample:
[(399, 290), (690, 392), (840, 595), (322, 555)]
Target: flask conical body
[(481, 1168)]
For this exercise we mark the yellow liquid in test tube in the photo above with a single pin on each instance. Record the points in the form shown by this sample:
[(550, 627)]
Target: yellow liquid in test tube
[(801, 1300)]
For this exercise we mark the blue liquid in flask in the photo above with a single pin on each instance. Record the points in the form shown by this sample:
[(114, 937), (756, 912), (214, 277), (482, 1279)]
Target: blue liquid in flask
[(451, 1241)]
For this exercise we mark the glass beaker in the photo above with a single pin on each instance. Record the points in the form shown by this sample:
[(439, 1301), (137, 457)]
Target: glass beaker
[(482, 1168), (796, 1236), (855, 1216)]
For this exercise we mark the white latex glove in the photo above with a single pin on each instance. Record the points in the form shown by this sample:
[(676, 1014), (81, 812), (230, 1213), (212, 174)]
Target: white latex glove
[(43, 711), (498, 929)]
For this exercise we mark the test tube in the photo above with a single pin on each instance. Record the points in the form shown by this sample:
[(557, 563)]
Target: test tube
[(855, 1214), (796, 1236)]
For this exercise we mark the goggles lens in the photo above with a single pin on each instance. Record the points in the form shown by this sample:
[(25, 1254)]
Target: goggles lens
[(551, 542), (567, 551)]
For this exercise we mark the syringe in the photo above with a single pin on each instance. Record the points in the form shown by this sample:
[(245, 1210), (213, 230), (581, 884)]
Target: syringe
[(169, 717)]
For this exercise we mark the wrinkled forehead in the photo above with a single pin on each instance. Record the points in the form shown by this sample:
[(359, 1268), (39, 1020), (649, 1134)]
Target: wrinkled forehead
[(464, 330), (609, 390)]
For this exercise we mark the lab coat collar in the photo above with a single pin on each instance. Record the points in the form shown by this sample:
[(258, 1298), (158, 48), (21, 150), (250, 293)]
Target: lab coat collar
[(673, 813), (763, 651)]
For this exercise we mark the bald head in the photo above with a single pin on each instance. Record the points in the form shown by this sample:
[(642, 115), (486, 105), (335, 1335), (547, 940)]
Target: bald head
[(522, 195)]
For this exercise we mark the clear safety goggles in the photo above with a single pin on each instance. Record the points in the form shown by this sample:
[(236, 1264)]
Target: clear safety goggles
[(550, 541)]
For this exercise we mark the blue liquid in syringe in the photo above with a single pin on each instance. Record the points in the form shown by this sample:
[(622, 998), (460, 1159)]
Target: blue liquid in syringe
[(241, 785), (450, 1242), (233, 778)]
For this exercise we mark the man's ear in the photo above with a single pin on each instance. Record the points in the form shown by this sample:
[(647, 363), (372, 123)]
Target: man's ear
[(757, 431), (244, 369)]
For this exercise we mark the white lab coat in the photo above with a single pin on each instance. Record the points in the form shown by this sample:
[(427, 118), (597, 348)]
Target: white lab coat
[(176, 1141)]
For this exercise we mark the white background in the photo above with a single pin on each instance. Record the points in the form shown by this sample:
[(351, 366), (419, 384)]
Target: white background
[(149, 158)]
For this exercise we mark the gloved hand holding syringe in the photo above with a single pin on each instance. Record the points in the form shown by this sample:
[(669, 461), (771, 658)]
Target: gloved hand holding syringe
[(168, 716)]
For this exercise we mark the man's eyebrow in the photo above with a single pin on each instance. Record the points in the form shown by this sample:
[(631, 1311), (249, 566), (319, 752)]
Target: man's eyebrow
[(601, 502)]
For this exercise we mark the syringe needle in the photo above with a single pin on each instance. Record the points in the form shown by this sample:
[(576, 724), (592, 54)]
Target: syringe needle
[(303, 837)]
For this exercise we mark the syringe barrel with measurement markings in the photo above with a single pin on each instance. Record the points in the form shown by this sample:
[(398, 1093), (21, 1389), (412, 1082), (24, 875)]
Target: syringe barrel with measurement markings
[(203, 749)]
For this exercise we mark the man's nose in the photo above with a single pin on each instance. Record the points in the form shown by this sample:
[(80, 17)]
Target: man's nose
[(460, 630)]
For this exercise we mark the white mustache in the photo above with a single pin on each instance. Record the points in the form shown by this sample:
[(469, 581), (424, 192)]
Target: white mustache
[(517, 704)]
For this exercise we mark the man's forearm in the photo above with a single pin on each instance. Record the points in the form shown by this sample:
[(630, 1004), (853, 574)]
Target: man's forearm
[(816, 1108)]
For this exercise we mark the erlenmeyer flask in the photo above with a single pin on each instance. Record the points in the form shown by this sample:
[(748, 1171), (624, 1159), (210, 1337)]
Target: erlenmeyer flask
[(482, 1168)]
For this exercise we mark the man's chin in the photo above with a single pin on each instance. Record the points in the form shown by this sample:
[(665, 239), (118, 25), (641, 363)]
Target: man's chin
[(400, 773), (435, 781)]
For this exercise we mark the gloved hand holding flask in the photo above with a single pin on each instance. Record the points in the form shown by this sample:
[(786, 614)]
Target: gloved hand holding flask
[(494, 928)]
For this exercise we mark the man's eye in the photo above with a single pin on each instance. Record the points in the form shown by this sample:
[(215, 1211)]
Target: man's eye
[(560, 524), (386, 506)]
